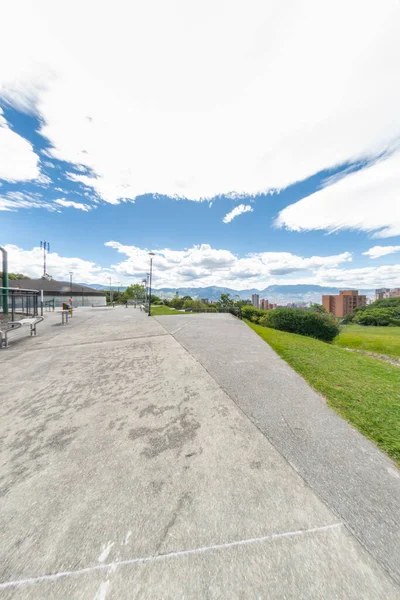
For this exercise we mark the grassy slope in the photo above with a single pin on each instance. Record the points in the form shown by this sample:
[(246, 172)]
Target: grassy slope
[(363, 390), (383, 340), (165, 310)]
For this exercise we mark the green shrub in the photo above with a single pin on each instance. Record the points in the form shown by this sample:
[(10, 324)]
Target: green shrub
[(376, 316), (380, 313), (252, 313), (295, 320)]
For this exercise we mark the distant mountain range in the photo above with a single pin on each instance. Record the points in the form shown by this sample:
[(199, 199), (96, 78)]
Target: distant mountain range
[(280, 294)]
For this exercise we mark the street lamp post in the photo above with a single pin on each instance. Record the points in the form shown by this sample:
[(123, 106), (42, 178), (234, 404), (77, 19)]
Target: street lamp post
[(151, 254), (111, 298), (145, 290), (70, 281)]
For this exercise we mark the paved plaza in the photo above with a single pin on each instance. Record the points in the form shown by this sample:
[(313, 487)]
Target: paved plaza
[(179, 457)]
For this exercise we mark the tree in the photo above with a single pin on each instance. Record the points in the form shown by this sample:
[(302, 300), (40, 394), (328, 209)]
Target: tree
[(185, 298), (196, 305), (318, 308), (241, 303), (225, 301), (176, 303), (15, 276), (116, 296), (135, 292)]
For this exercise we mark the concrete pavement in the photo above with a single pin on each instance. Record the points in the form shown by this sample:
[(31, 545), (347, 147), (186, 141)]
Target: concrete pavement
[(128, 472), (355, 479)]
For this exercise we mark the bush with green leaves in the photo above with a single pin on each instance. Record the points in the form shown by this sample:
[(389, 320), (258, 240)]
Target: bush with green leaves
[(380, 313), (321, 326), (252, 313)]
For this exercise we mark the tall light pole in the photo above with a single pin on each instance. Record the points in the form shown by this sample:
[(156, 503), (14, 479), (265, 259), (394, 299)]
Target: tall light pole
[(151, 254), (70, 282)]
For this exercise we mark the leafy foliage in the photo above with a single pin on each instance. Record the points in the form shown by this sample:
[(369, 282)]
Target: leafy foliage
[(134, 292), (14, 276), (252, 313), (225, 301), (380, 313), (295, 320), (318, 308)]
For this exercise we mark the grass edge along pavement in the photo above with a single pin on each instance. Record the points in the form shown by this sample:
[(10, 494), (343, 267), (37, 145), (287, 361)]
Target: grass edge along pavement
[(362, 390), (161, 309)]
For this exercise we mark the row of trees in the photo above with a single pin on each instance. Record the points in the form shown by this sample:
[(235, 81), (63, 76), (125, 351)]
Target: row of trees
[(380, 313)]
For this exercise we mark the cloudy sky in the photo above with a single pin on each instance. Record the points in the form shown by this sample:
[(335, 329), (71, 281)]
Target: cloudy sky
[(246, 144)]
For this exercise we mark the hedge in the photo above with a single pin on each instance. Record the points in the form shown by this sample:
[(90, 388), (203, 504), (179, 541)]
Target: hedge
[(296, 320), (252, 313)]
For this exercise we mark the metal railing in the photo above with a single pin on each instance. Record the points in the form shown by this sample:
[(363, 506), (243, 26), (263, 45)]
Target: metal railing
[(17, 301)]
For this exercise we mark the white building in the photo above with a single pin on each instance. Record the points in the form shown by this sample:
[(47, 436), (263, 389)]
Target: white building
[(382, 293)]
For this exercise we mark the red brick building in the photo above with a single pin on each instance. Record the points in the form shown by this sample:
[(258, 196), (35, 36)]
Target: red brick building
[(344, 303)]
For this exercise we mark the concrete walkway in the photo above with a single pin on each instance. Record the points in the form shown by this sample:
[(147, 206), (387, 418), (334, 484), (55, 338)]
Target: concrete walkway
[(128, 471)]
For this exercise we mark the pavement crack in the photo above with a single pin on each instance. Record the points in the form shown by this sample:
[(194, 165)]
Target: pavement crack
[(184, 500)]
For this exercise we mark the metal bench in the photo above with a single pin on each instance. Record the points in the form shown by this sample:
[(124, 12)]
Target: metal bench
[(10, 326)]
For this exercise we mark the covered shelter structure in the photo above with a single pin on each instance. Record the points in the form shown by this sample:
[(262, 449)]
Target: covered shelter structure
[(57, 292)]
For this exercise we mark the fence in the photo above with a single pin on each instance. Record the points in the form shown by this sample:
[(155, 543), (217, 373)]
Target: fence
[(16, 301)]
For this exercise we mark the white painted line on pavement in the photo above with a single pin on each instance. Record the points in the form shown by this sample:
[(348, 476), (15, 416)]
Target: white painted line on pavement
[(157, 557)]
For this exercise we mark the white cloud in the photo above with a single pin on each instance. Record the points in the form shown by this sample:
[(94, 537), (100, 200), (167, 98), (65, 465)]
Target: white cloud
[(238, 210), (366, 200), (292, 89), (30, 262), (366, 277), (18, 161), (378, 251), (12, 201), (203, 265), (71, 204)]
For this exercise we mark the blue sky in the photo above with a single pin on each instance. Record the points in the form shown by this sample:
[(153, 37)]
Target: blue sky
[(284, 169)]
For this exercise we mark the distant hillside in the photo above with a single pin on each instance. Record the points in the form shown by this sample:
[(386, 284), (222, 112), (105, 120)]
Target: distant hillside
[(274, 293)]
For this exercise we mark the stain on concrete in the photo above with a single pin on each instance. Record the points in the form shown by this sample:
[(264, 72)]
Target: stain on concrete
[(156, 486), (256, 464), (173, 436), (60, 440), (152, 409)]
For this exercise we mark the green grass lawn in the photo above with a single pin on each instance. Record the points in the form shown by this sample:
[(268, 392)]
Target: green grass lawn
[(165, 310), (383, 340), (363, 390)]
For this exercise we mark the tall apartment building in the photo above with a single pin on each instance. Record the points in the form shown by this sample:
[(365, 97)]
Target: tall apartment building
[(382, 293), (255, 300), (264, 304), (344, 303)]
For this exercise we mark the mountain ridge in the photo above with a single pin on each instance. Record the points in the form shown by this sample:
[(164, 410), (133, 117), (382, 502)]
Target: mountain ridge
[(274, 293)]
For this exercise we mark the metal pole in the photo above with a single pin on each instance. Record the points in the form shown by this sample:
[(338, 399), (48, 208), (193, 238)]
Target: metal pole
[(70, 282), (82, 296), (12, 306), (5, 281), (151, 254)]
